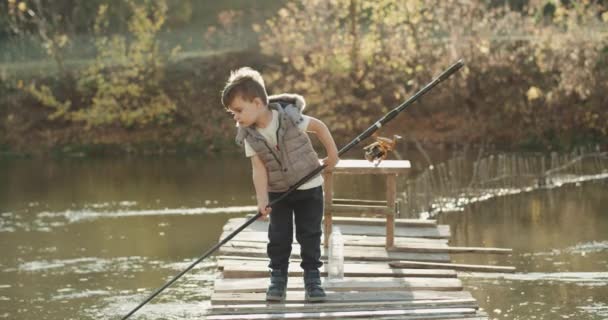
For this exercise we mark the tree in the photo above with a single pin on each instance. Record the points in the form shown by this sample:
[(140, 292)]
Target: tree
[(353, 59), (122, 86)]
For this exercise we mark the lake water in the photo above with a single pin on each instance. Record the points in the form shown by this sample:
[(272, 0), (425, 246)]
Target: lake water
[(91, 238)]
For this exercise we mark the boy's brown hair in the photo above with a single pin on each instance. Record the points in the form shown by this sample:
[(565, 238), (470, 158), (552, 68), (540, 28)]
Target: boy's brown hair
[(246, 83)]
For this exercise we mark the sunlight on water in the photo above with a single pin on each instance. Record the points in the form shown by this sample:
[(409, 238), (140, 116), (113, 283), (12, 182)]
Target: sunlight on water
[(598, 278), (599, 309), (110, 299), (560, 251), (446, 204), (80, 215), (589, 247), (47, 221), (73, 249)]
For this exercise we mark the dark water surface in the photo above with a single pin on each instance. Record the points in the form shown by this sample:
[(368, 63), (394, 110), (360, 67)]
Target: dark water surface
[(560, 241), (90, 239)]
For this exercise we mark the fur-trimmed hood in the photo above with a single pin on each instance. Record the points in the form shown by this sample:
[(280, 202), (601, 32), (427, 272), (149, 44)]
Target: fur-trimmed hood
[(287, 99)]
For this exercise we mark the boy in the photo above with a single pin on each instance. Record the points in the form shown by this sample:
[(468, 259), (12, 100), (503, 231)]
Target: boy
[(273, 131)]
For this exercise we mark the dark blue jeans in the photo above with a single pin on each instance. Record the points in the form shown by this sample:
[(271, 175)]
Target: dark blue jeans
[(306, 206)]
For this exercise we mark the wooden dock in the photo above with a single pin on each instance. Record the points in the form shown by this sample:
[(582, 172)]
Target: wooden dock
[(393, 268), (378, 283)]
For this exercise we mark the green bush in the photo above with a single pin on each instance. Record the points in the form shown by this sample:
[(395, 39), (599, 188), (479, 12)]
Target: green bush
[(122, 86)]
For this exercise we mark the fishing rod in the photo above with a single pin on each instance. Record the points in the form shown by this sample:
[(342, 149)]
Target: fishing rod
[(366, 134)]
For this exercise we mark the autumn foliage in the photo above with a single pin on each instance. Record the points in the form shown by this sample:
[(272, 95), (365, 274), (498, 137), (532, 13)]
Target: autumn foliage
[(536, 75)]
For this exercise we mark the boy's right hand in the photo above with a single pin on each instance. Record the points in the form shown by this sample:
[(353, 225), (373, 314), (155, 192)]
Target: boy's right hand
[(264, 209)]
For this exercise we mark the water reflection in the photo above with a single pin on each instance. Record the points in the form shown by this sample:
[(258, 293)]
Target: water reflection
[(560, 250), (150, 183), (89, 239)]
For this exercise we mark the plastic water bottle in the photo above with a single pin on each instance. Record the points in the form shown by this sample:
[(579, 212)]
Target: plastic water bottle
[(336, 255)]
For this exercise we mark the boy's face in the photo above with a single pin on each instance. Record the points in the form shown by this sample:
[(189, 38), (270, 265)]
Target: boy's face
[(246, 112)]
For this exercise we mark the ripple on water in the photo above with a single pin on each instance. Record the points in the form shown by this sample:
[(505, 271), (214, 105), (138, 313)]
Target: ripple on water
[(81, 294), (72, 216), (47, 221), (83, 265), (86, 265), (153, 310), (601, 278), (596, 309), (589, 247)]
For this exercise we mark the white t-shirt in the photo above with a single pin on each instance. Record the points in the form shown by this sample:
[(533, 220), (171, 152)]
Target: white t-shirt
[(270, 134)]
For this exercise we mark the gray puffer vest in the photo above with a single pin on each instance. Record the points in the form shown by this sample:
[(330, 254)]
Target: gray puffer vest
[(295, 157)]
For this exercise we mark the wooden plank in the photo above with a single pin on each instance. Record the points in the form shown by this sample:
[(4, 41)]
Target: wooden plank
[(414, 247), (358, 209), (378, 241), (317, 307), (347, 166), (438, 232), (351, 253), (374, 314), (259, 268), (453, 266), (411, 248), (382, 221), (298, 296), (357, 240), (435, 232), (346, 284), (476, 316), (422, 248), (363, 220), (359, 201)]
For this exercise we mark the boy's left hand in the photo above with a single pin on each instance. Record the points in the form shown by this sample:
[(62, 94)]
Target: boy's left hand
[(331, 162)]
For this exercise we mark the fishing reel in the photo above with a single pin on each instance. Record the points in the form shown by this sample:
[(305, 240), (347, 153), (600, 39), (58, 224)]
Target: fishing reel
[(378, 150)]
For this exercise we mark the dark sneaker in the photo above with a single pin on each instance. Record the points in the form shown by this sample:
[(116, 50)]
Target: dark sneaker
[(278, 286), (312, 284)]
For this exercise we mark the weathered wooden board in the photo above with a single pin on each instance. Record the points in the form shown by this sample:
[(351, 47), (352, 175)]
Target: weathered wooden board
[(358, 201), (346, 284), (477, 316), (357, 240), (351, 253), (412, 247), (355, 166), (382, 222), (425, 248), (249, 241), (259, 268), (339, 306), (294, 296), (453, 266), (433, 313), (438, 232), (434, 232), (360, 209)]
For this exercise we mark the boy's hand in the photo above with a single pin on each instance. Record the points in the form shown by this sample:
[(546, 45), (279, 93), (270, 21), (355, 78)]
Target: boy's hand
[(331, 161), (264, 209)]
